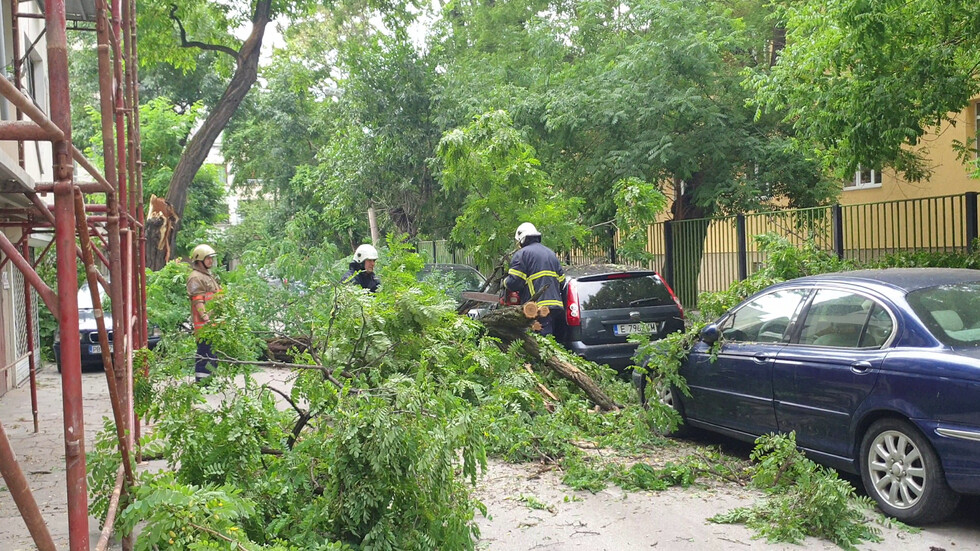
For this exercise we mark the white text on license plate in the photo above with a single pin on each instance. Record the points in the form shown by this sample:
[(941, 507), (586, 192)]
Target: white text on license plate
[(633, 328), (97, 349)]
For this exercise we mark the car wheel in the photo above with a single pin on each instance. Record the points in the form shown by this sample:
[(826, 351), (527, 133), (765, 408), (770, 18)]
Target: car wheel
[(903, 474), (664, 394)]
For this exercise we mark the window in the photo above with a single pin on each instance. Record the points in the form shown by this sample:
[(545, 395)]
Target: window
[(765, 319), (32, 68), (845, 320), (950, 312), (864, 178), (628, 292), (976, 128)]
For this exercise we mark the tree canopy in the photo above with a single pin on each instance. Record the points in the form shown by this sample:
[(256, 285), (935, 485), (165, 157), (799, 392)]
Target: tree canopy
[(863, 80), (649, 89)]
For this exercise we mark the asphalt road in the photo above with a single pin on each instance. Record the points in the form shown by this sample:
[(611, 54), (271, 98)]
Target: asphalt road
[(569, 520)]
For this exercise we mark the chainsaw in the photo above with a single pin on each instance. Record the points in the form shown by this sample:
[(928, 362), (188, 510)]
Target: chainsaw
[(507, 298)]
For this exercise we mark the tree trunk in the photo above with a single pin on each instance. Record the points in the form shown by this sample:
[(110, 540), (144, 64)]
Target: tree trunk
[(689, 239), (511, 323), (200, 144)]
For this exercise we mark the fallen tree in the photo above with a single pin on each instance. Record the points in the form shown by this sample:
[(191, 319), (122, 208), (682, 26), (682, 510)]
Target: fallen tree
[(514, 323)]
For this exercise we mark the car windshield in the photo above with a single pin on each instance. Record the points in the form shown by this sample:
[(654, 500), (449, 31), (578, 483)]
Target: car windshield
[(627, 292), (85, 297), (453, 279), (950, 312)]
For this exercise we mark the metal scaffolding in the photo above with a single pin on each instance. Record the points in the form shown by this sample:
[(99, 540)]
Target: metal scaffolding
[(119, 246)]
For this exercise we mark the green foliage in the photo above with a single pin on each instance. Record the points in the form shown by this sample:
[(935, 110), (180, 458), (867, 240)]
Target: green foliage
[(784, 260), (167, 303), (928, 259), (638, 204), (536, 504), (164, 130), (182, 516), (381, 436), (491, 164), (862, 81), (804, 499), (47, 324), (593, 474)]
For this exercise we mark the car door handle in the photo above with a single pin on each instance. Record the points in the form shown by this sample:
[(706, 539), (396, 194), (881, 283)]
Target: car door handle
[(860, 367), (763, 357)]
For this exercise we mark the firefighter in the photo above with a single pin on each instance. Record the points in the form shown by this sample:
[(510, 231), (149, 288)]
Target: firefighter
[(202, 285), (361, 269), (532, 268)]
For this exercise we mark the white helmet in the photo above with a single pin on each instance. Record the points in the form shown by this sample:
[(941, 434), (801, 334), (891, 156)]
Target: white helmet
[(365, 252), (524, 230), (201, 252)]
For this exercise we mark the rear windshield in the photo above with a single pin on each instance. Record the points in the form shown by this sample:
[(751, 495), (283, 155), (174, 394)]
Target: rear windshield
[(630, 292), (950, 312)]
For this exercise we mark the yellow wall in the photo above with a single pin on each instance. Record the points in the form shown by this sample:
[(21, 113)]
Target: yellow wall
[(949, 175)]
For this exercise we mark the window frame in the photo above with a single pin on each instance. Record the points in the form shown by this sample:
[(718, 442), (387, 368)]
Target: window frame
[(874, 179), (976, 129)]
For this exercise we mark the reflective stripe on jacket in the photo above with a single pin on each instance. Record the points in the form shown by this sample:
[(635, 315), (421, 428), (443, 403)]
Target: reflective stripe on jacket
[(533, 267), (201, 287)]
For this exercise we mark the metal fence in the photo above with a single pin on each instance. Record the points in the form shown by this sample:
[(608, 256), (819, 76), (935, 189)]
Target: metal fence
[(709, 254), (438, 251)]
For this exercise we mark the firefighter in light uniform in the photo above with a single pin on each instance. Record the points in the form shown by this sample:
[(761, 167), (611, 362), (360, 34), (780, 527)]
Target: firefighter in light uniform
[(532, 268), (202, 285)]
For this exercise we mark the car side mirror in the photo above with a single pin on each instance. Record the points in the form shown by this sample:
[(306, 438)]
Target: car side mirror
[(710, 334)]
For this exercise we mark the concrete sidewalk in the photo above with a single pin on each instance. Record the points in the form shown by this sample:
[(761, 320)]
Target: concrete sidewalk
[(42, 455)]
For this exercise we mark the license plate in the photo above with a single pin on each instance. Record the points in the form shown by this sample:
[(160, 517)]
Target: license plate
[(97, 349), (639, 328)]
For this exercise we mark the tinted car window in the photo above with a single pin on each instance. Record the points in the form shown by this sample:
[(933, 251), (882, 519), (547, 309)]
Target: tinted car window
[(950, 312), (838, 318), (622, 293), (765, 319)]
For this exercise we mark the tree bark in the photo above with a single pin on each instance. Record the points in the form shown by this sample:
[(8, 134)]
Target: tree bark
[(511, 323), (200, 144)]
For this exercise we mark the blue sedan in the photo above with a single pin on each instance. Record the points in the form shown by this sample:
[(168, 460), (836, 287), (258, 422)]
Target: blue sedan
[(877, 371)]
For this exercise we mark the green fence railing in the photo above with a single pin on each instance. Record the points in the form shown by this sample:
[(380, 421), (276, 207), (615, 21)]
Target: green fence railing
[(709, 254)]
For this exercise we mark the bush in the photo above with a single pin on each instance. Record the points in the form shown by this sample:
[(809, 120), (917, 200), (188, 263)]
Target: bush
[(804, 500)]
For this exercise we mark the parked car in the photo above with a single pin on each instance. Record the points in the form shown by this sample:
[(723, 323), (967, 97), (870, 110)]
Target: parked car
[(605, 304), (877, 371), (454, 278), (91, 350)]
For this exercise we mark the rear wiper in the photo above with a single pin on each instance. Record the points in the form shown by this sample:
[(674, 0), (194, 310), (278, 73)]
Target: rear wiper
[(640, 301)]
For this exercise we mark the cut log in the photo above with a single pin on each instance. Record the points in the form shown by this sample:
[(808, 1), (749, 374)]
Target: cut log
[(530, 310), (543, 311)]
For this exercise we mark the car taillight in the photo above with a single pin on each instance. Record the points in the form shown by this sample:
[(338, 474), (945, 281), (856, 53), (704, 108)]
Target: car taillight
[(572, 314), (672, 295)]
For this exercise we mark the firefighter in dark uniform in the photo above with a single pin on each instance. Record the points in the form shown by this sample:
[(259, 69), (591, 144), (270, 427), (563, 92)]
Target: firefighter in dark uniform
[(361, 270), (532, 268)]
